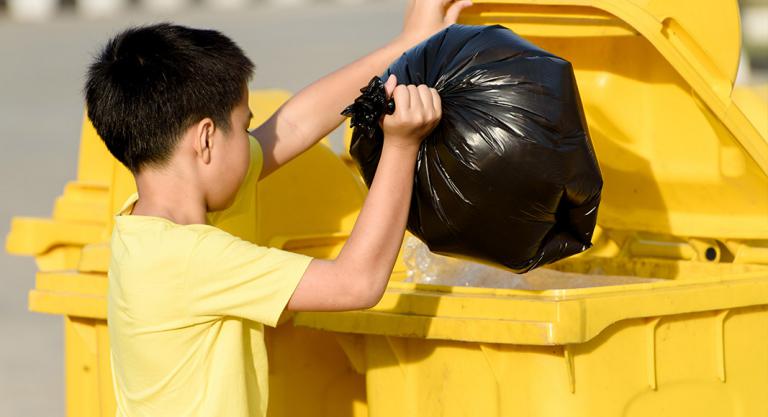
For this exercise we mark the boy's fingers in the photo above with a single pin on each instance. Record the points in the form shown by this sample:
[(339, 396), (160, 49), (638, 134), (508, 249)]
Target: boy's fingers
[(415, 100), (402, 99), (437, 103), (426, 97), (452, 14), (389, 86)]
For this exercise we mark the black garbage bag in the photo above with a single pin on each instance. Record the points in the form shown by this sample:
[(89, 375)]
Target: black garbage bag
[(509, 175)]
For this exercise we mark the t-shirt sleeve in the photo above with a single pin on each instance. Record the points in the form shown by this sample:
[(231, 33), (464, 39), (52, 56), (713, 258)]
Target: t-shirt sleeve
[(228, 276)]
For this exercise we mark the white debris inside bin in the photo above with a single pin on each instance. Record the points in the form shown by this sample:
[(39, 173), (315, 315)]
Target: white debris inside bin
[(425, 267)]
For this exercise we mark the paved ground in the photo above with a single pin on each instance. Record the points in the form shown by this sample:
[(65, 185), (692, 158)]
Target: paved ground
[(41, 75)]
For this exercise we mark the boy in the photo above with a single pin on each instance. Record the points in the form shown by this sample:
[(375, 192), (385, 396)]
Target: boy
[(187, 301)]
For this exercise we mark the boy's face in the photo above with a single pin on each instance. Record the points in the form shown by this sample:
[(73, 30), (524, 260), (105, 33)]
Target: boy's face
[(230, 158)]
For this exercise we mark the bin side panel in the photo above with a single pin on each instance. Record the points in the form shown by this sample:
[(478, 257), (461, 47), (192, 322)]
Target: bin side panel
[(708, 364)]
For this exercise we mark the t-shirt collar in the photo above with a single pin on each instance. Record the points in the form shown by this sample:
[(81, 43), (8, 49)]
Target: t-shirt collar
[(128, 205)]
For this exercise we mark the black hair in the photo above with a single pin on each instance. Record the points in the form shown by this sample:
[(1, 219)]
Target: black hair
[(151, 83)]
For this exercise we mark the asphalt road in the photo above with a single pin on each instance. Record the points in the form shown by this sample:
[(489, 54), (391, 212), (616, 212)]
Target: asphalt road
[(41, 77)]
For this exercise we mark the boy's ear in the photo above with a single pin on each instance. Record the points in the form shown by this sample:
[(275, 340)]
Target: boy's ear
[(204, 139)]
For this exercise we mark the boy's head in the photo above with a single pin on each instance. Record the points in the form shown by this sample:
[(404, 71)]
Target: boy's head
[(152, 85)]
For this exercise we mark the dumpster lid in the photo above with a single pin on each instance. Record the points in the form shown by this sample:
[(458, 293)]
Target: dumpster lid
[(656, 82)]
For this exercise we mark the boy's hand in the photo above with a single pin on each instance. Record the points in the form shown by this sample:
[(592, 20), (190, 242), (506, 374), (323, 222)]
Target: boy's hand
[(417, 111), (316, 110), (423, 18)]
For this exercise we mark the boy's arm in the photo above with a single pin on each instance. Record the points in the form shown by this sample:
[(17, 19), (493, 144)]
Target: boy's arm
[(315, 111), (358, 277)]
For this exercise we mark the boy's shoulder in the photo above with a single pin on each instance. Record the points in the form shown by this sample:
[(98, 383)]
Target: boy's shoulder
[(148, 237)]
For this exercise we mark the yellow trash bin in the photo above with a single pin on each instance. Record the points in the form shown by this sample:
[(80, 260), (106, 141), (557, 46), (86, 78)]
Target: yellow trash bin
[(685, 163)]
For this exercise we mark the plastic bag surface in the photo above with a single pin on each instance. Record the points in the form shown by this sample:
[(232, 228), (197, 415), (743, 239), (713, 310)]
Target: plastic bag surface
[(424, 267), (509, 176)]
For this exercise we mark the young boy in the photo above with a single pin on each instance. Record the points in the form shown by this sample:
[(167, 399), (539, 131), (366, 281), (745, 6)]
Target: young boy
[(187, 301)]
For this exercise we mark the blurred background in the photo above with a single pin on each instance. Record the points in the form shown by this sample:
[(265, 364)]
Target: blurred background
[(754, 33), (45, 46)]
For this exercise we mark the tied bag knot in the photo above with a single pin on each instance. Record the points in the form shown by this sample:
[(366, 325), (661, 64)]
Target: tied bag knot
[(369, 107)]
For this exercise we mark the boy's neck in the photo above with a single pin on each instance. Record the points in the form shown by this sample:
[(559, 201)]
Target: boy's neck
[(170, 196)]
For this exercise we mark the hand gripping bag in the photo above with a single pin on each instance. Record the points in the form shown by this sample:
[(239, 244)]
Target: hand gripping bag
[(509, 176)]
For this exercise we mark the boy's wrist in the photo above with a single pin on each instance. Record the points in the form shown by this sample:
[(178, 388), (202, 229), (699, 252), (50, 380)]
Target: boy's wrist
[(401, 144)]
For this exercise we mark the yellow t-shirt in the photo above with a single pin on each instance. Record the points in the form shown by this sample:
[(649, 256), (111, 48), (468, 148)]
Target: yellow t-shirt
[(186, 308)]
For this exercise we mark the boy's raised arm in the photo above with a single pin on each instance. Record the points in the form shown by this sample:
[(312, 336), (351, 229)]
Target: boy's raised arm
[(358, 276), (315, 111)]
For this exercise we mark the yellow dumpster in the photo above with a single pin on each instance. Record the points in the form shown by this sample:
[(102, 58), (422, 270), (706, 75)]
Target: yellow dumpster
[(685, 162)]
